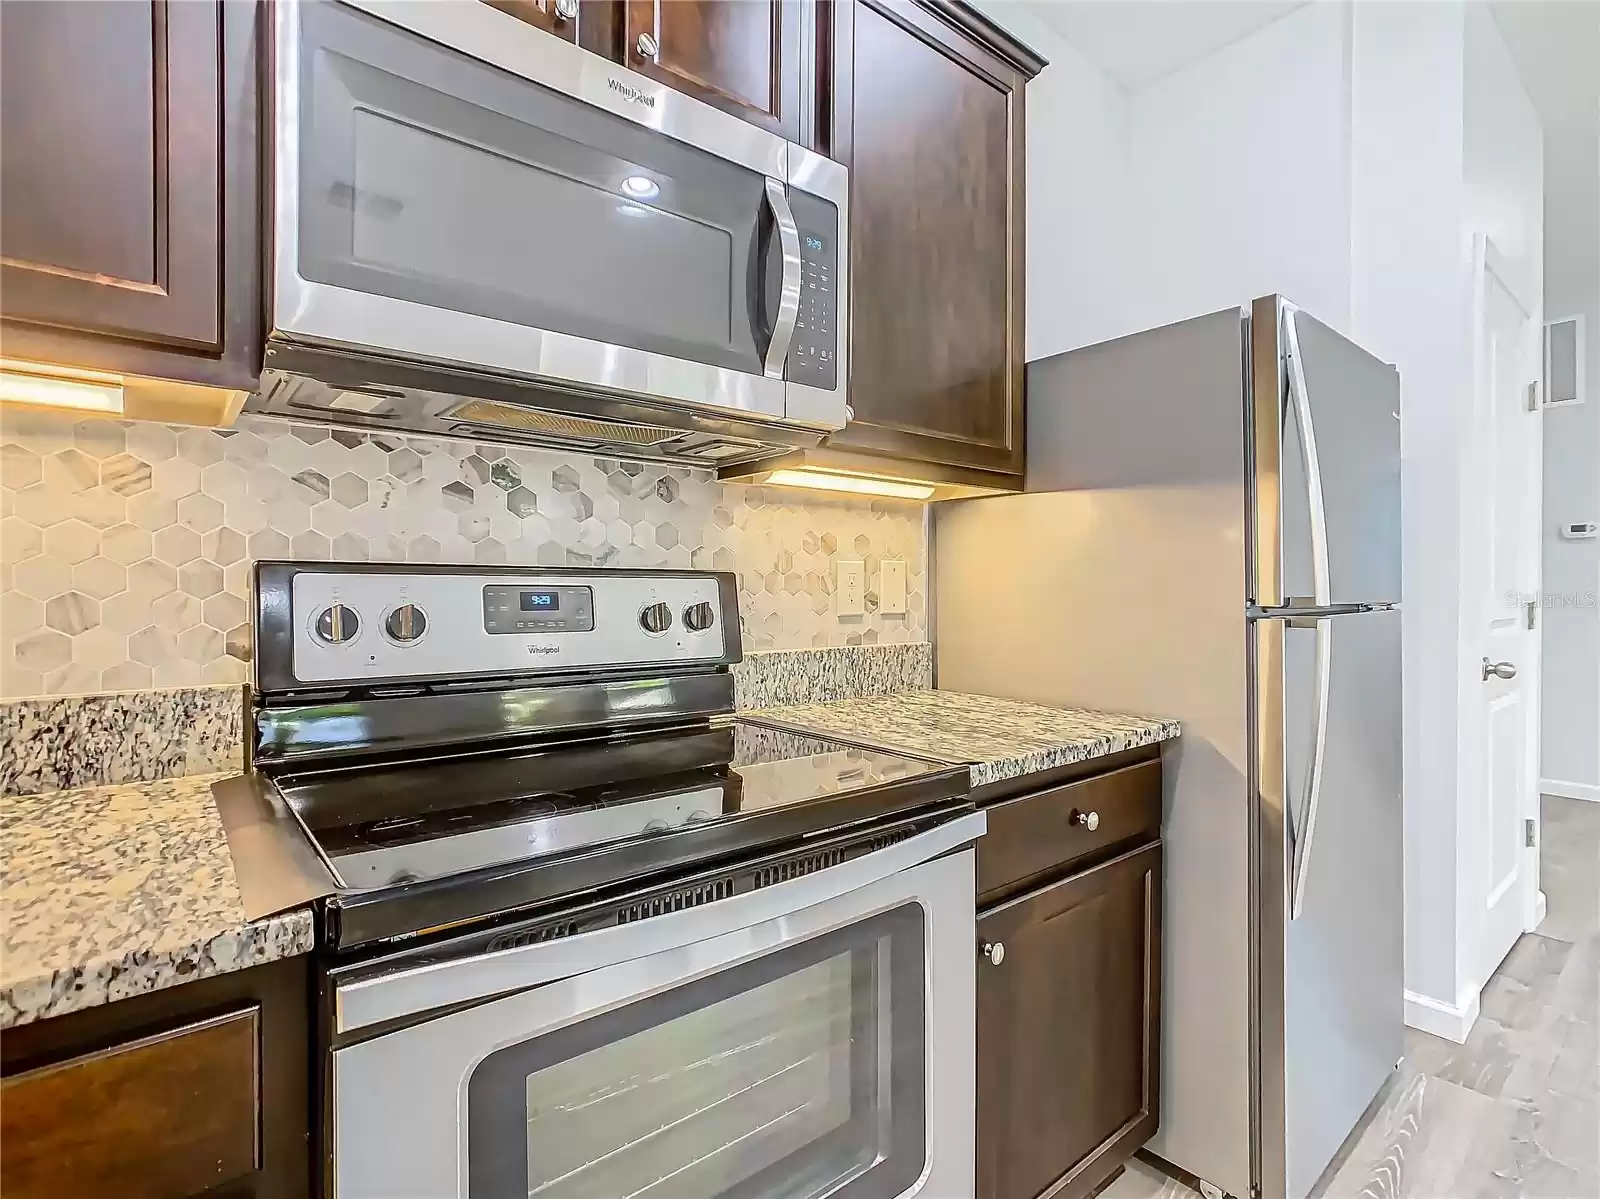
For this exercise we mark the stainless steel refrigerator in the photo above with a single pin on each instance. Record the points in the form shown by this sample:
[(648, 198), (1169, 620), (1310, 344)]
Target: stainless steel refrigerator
[(1211, 531)]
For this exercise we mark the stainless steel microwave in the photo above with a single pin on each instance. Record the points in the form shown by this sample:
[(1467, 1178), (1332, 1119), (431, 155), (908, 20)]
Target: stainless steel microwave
[(480, 229)]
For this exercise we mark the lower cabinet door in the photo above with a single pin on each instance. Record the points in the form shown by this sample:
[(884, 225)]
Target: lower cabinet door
[(1069, 1030)]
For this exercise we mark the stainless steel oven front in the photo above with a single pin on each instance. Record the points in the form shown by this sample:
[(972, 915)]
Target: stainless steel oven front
[(809, 1038), (453, 187)]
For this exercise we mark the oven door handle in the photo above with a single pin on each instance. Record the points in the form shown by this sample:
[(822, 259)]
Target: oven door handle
[(789, 294), (408, 992)]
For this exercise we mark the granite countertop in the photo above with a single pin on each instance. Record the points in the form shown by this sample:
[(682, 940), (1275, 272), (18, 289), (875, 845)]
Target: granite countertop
[(998, 738), (107, 892)]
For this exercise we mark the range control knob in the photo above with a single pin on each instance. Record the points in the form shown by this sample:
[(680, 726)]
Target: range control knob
[(406, 623), (338, 624), (655, 618), (699, 617)]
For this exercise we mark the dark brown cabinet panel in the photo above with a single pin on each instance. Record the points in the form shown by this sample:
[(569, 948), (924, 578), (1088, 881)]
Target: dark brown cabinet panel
[(927, 110), (1069, 1030), (171, 1114), (1047, 831), (198, 1089), (129, 227), (559, 17), (742, 56)]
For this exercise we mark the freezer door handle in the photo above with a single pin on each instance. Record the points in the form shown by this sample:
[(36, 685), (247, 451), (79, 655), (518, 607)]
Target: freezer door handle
[(1303, 829), (1322, 593)]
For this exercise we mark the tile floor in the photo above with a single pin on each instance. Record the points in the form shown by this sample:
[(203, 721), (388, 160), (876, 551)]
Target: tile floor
[(1515, 1112)]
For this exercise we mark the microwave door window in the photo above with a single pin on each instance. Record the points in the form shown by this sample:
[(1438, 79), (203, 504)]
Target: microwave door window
[(433, 178), (795, 1076)]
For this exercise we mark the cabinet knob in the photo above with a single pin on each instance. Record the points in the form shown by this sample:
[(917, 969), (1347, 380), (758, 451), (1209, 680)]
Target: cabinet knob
[(1089, 820), (646, 45), (566, 9), (995, 951)]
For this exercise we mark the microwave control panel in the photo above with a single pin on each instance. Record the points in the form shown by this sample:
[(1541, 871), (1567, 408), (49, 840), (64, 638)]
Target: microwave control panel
[(813, 352)]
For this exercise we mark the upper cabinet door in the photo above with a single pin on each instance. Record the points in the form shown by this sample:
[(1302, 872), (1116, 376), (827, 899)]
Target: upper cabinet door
[(744, 56), (927, 111), (128, 186), (559, 17)]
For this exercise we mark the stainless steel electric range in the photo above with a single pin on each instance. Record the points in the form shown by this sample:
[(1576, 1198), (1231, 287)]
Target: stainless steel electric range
[(584, 933)]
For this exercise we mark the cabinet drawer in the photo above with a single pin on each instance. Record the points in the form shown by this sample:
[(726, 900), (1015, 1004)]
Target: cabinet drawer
[(1040, 832), (168, 1115)]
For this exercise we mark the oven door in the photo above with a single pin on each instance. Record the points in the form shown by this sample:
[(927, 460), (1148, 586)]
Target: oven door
[(453, 186), (814, 1038)]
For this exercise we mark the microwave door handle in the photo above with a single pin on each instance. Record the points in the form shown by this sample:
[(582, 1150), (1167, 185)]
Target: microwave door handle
[(789, 299)]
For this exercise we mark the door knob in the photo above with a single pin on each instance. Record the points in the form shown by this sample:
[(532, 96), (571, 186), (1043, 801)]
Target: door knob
[(1089, 820), (566, 9), (646, 46), (995, 951), (1500, 670)]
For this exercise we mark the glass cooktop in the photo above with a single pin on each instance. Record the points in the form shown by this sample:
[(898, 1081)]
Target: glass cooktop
[(432, 819)]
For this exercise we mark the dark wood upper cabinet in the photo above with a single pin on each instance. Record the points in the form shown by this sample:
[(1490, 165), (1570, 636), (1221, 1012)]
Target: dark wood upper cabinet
[(926, 108), (1069, 1030), (744, 56), (559, 17), (129, 174)]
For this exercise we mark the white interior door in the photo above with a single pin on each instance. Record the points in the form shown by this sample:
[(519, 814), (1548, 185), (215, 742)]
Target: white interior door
[(1506, 482)]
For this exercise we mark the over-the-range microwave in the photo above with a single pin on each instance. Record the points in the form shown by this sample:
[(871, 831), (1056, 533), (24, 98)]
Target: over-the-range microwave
[(481, 230)]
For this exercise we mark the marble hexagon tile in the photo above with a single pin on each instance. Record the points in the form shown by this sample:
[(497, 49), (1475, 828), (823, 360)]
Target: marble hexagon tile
[(125, 547)]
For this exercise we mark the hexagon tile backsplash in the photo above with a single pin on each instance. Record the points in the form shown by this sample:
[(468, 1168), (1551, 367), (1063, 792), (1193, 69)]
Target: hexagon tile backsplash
[(125, 547)]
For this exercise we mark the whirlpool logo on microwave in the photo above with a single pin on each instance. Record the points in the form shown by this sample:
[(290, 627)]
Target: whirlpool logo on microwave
[(544, 649), (629, 92)]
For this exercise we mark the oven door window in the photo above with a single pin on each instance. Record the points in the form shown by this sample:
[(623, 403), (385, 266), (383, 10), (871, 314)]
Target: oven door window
[(796, 1075), (430, 177)]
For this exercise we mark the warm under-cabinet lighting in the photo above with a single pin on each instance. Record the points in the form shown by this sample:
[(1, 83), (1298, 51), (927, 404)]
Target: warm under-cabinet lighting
[(54, 387), (858, 484)]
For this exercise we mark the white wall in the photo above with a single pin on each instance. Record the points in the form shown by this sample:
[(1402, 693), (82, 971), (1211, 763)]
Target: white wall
[(1241, 174), (1409, 304), (1571, 704), (1076, 191)]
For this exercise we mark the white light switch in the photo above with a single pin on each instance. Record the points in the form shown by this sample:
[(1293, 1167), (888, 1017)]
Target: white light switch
[(892, 587), (850, 588)]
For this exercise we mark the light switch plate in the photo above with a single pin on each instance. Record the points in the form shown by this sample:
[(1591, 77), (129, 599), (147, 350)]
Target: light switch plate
[(892, 587), (850, 588)]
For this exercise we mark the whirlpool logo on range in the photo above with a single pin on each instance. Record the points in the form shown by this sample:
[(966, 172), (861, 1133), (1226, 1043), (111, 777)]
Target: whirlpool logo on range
[(544, 649), (629, 92)]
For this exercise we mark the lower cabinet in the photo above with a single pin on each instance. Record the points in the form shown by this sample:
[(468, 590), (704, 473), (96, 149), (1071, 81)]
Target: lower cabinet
[(1069, 1020), (199, 1089)]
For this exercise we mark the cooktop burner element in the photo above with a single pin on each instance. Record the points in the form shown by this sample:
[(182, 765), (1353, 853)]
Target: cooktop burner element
[(517, 766)]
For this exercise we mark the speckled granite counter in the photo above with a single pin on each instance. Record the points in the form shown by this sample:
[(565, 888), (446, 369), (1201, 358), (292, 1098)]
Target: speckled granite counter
[(998, 738), (113, 891)]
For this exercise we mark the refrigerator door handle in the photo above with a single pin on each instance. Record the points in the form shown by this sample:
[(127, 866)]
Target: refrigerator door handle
[(1322, 593), (1304, 829)]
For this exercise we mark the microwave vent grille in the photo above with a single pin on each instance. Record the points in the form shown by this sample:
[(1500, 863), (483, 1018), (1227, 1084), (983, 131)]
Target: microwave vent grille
[(532, 420)]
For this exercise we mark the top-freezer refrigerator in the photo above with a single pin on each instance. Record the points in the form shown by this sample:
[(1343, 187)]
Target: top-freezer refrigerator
[(1211, 531)]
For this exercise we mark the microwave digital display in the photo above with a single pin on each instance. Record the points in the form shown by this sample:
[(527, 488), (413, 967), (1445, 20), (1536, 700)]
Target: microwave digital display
[(814, 243), (541, 601)]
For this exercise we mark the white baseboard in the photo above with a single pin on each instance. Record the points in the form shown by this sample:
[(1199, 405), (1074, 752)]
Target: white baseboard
[(1567, 790), (1451, 1021), (1541, 906)]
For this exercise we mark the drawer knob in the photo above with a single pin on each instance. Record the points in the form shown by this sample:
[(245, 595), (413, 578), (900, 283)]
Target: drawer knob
[(995, 951), (1089, 820)]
